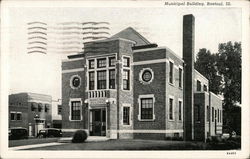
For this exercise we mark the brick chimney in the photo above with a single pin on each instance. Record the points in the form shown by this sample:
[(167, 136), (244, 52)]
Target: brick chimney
[(188, 57)]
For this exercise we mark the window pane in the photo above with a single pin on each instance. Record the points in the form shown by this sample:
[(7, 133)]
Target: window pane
[(205, 88), (18, 116), (208, 113), (126, 79), (126, 115), (180, 77), (91, 80), (111, 61), (101, 62), (180, 110), (101, 80), (171, 67), (112, 79), (91, 64), (75, 110), (12, 116), (198, 85), (126, 61), (147, 108), (171, 109), (212, 114)]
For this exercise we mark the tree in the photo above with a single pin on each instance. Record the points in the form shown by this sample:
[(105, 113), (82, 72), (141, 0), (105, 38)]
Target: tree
[(206, 65), (223, 70), (229, 65)]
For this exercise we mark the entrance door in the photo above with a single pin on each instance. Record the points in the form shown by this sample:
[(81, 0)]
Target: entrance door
[(99, 122)]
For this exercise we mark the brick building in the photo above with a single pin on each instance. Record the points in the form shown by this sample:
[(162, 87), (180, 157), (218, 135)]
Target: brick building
[(127, 87), (23, 107)]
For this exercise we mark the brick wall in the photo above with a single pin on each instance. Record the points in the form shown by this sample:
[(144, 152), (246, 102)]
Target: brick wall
[(68, 92)]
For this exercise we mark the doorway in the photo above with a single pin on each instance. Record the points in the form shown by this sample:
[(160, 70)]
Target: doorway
[(98, 122)]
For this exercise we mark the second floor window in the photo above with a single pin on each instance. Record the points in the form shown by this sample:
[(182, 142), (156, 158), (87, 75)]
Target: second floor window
[(12, 116), (205, 88), (180, 77), (126, 62), (125, 77), (19, 116), (171, 72), (198, 85), (101, 79), (111, 61), (101, 63), (111, 79), (91, 64), (91, 80)]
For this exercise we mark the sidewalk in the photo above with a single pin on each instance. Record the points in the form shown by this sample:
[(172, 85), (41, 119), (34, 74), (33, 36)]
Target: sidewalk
[(61, 141), (35, 146)]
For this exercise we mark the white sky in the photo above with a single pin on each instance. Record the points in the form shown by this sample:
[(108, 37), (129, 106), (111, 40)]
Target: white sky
[(41, 73)]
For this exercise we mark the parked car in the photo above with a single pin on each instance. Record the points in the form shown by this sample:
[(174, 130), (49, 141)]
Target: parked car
[(49, 132), (18, 133)]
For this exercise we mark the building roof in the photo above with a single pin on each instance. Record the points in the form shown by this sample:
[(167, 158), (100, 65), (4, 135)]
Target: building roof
[(131, 34)]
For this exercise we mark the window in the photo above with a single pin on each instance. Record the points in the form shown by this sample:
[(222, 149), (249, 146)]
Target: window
[(91, 80), (197, 112), (146, 76), (147, 108), (12, 116), (218, 115), (126, 115), (180, 110), (126, 78), (180, 77), (111, 79), (215, 114), (59, 109), (75, 81), (75, 110), (171, 109), (101, 63), (221, 116), (205, 88), (208, 113), (46, 108), (101, 79), (19, 116), (91, 64), (126, 62), (40, 107), (111, 61), (212, 114), (198, 83), (33, 106), (171, 71)]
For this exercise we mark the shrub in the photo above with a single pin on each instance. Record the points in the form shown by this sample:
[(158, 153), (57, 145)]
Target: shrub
[(79, 136)]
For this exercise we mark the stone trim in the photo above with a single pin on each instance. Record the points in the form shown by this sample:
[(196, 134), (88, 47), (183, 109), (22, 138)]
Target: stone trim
[(150, 62), (73, 70)]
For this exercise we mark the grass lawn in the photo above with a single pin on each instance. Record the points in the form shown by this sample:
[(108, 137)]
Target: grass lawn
[(23, 142), (129, 144)]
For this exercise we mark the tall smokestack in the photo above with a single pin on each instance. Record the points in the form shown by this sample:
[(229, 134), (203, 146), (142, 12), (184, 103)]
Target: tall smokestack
[(188, 57)]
